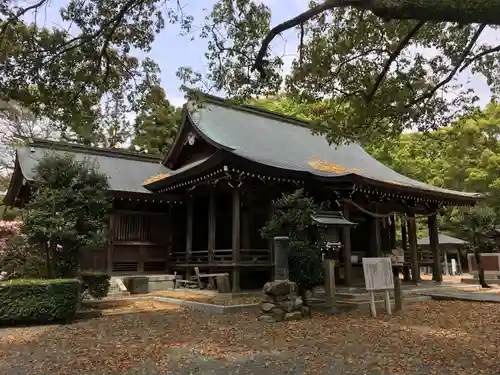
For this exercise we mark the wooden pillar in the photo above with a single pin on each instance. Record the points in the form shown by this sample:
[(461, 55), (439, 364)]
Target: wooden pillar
[(434, 245), (446, 270), (346, 250), (111, 240), (169, 237), (404, 236), (392, 231), (236, 239), (189, 234), (459, 261), (211, 224), (375, 240), (404, 245), (412, 239)]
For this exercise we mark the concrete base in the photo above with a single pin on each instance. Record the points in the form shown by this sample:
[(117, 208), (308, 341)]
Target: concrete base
[(163, 282), (155, 282)]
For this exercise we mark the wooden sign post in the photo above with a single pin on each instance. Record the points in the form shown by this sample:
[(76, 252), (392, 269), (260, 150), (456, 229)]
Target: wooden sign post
[(378, 277)]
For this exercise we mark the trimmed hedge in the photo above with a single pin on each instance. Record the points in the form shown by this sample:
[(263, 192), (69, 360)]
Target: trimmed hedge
[(38, 301), (96, 283)]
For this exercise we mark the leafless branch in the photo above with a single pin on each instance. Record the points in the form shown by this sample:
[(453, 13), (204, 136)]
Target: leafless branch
[(429, 93), (394, 55)]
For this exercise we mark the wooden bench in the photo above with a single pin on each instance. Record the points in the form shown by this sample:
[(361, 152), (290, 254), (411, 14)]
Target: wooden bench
[(185, 283), (209, 276)]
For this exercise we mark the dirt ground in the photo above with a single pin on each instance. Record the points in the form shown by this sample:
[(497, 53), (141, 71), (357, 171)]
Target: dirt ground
[(427, 338)]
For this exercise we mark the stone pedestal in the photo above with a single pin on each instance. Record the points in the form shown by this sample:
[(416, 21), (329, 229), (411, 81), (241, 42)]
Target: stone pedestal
[(281, 302)]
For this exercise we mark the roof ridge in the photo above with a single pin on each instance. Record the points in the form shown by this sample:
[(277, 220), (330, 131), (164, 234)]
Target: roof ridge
[(113, 153), (256, 110)]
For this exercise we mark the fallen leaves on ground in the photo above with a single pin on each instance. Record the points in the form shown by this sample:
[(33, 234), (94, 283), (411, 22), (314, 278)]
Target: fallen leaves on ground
[(218, 299), (444, 337), (139, 306)]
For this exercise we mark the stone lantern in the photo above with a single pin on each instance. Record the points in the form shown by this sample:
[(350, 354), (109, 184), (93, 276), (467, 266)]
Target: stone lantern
[(329, 224)]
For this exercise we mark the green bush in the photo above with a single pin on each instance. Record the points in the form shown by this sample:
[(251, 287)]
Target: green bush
[(95, 283), (306, 266), (38, 301)]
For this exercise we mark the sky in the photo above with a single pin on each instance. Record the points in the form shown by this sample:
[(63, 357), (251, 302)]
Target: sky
[(172, 50)]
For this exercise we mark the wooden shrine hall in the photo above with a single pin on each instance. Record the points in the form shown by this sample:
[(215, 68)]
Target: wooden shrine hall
[(204, 203)]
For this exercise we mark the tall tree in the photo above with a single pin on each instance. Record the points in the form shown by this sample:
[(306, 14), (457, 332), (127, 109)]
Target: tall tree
[(156, 124), (63, 73), (16, 127), (386, 72), (112, 127)]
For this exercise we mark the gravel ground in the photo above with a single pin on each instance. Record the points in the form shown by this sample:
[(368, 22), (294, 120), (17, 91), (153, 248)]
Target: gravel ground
[(428, 338)]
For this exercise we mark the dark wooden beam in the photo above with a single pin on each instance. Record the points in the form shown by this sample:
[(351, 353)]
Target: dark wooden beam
[(434, 245), (392, 232), (375, 238), (212, 214), (189, 231), (236, 243), (109, 252), (346, 249), (412, 239)]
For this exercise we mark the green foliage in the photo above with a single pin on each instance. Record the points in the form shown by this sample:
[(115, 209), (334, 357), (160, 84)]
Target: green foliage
[(95, 283), (305, 264), (464, 156), (68, 212), (381, 75), (38, 301), (156, 124), (292, 218), (86, 57)]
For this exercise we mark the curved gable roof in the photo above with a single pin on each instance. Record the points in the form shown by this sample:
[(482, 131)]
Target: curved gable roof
[(281, 142)]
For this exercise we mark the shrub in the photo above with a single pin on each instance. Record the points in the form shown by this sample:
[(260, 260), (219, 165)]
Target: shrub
[(306, 266), (38, 301), (95, 283), (292, 218)]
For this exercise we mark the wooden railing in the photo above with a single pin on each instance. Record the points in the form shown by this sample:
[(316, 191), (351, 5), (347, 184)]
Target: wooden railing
[(222, 256), (255, 256)]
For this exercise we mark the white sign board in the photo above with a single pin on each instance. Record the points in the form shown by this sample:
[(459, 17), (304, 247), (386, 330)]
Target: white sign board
[(453, 267), (378, 273)]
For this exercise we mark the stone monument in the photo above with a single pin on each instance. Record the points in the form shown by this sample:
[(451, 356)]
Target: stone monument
[(280, 301)]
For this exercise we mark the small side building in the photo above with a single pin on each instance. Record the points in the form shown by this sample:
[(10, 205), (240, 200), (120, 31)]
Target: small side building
[(450, 248)]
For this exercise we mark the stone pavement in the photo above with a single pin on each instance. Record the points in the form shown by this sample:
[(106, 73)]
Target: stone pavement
[(457, 296)]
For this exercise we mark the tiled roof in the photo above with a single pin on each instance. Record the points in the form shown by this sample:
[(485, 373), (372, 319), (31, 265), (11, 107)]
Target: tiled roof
[(126, 171), (286, 143)]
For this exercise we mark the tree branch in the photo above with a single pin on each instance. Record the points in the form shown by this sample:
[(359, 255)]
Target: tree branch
[(296, 21), (478, 56), (113, 22), (18, 15), (394, 55), (462, 58)]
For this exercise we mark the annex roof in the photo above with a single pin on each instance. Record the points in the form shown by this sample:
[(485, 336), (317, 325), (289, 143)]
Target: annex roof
[(443, 240), (126, 171)]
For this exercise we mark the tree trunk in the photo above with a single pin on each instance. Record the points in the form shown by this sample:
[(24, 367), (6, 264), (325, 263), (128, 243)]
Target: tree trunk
[(48, 261), (479, 264)]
